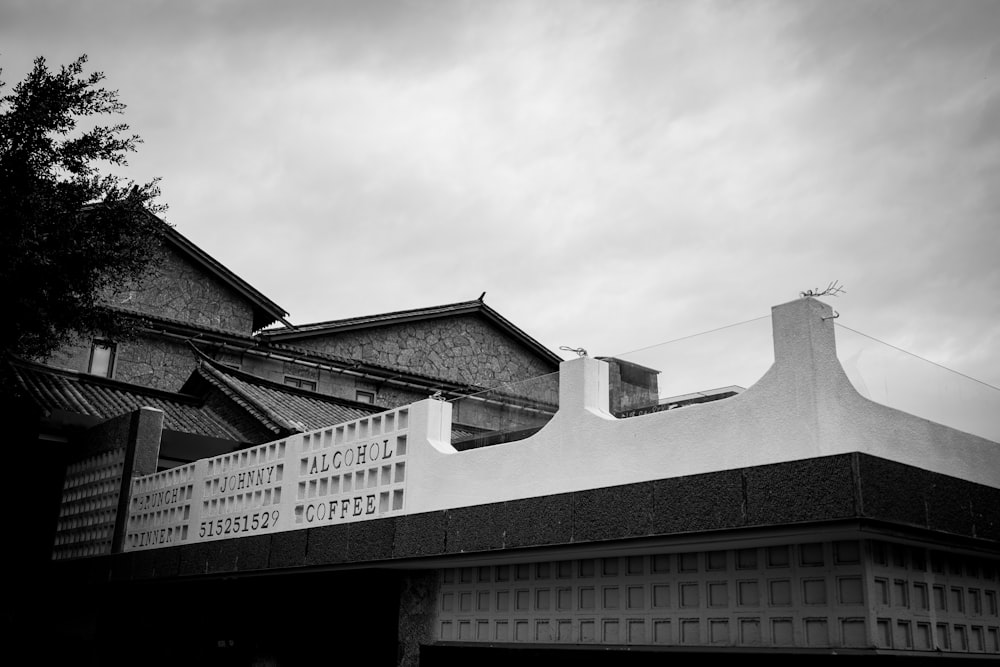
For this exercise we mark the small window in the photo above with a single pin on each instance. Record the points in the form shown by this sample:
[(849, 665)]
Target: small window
[(365, 397), (300, 383), (102, 358)]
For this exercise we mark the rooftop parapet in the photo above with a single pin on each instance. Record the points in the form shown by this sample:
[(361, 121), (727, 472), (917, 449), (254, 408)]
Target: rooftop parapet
[(403, 461)]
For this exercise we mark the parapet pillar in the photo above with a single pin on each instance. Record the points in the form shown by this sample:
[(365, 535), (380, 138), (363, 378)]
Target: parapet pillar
[(808, 370), (583, 385), (805, 347)]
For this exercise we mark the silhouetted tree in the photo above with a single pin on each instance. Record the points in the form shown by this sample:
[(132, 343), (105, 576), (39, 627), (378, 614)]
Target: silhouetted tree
[(70, 230)]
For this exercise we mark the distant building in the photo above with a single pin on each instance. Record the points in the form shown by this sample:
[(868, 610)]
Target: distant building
[(203, 333)]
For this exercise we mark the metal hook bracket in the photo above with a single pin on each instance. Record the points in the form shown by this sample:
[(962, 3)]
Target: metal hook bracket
[(831, 317)]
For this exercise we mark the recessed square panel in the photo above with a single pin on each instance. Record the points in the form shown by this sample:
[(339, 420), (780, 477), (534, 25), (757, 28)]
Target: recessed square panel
[(661, 631), (564, 599), (636, 597), (852, 632), (782, 631), (750, 631), (811, 555), (780, 592), (778, 556), (749, 594), (746, 559), (610, 629), (661, 596), (690, 631), (636, 631), (718, 631), (850, 591), (611, 598), (689, 595), (661, 563), (687, 563), (716, 560), (846, 552), (718, 594), (814, 591), (817, 632)]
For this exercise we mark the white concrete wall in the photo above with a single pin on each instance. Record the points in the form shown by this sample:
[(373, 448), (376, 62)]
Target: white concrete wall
[(803, 407)]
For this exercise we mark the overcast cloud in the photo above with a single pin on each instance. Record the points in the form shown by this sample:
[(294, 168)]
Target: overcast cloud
[(613, 174)]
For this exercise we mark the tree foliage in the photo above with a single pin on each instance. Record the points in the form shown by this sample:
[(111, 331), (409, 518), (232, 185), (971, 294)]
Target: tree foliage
[(71, 230)]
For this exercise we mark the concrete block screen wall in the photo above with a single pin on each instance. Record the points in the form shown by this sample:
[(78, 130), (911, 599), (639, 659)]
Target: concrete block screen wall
[(344, 473)]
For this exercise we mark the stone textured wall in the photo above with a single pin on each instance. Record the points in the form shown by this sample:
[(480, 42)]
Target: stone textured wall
[(331, 383), (154, 362), (464, 349), (180, 290), (148, 361)]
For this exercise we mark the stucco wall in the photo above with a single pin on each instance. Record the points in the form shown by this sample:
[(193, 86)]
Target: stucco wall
[(464, 349), (178, 289)]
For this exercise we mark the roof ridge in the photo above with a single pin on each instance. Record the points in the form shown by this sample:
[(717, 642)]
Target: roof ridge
[(217, 379), (99, 380), (246, 376), (390, 314), (139, 315), (460, 307), (357, 364)]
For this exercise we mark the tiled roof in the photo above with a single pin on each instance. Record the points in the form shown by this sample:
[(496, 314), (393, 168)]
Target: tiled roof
[(280, 409), (287, 408), (81, 393), (291, 408), (159, 323)]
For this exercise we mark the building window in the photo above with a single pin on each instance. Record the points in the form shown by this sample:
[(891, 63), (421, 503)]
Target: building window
[(364, 396), (102, 358), (300, 383)]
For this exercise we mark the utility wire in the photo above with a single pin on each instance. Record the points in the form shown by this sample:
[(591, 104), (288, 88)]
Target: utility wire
[(728, 326), (934, 363)]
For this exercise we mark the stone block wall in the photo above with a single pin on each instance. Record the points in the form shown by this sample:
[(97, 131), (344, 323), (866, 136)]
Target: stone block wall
[(148, 361), (463, 349), (154, 362), (179, 290)]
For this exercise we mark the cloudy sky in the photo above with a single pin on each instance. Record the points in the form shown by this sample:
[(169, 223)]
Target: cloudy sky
[(612, 174)]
